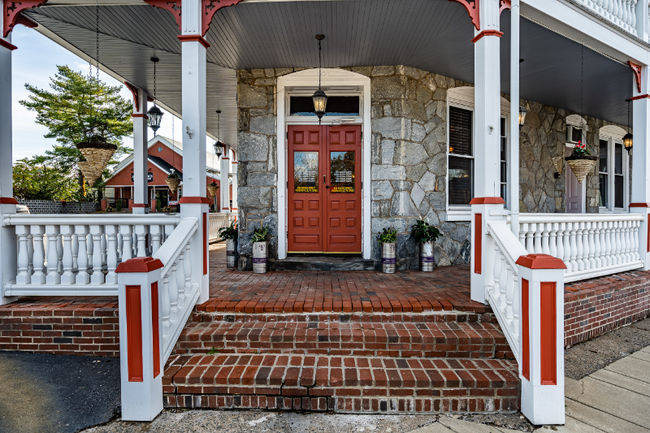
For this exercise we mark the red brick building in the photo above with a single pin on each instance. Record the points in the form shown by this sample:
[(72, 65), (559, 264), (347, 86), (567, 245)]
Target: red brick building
[(165, 156)]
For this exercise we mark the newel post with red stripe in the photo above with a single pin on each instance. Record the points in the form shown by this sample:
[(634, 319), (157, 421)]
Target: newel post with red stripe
[(541, 338), (140, 338)]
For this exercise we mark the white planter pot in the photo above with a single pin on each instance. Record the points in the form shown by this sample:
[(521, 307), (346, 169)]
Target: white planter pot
[(427, 262), (388, 258), (231, 253), (260, 257)]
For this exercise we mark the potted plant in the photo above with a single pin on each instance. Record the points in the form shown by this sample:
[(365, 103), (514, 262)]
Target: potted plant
[(260, 250), (425, 234), (581, 161), (97, 153), (169, 209), (172, 181), (388, 239), (230, 235), (213, 188)]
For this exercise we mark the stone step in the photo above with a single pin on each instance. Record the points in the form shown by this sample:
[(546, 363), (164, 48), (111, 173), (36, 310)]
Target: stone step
[(324, 263), (341, 384), (433, 339)]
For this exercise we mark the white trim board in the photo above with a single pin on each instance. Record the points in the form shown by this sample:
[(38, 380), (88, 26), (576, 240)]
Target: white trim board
[(335, 78)]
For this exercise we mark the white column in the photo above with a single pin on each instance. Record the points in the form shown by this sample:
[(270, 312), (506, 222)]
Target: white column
[(642, 19), (513, 160), (541, 338), (487, 111), (140, 151), (641, 162), (194, 202), (225, 190), (8, 249), (235, 181)]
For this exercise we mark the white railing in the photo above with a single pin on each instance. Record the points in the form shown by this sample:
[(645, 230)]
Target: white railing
[(179, 294), (76, 255), (217, 221), (502, 282), (591, 245), (622, 13)]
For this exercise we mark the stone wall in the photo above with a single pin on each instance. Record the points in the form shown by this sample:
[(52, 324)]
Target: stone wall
[(59, 207)]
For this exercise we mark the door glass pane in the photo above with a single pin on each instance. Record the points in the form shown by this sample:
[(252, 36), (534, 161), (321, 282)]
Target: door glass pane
[(305, 171), (603, 190), (460, 180), (342, 171), (603, 156), (336, 106), (618, 187), (618, 159)]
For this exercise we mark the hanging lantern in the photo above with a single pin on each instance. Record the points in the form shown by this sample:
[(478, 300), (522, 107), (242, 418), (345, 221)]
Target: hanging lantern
[(154, 113), (319, 97), (627, 138), (522, 115), (218, 148), (97, 153)]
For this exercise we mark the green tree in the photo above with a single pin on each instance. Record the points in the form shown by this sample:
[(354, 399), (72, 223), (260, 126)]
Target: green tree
[(35, 180), (76, 108)]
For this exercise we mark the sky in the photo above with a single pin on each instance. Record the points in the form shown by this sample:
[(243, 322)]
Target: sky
[(34, 62)]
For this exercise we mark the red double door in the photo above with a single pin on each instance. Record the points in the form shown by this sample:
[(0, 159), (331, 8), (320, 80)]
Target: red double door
[(324, 198)]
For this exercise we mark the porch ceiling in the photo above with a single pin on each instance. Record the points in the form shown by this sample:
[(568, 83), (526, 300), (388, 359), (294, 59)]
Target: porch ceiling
[(434, 35)]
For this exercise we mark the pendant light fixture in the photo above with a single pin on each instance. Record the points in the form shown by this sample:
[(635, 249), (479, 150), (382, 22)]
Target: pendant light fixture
[(628, 140), (218, 145), (154, 113), (522, 115), (319, 97)]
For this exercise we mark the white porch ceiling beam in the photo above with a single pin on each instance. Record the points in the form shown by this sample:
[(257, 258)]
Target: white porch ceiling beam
[(574, 23)]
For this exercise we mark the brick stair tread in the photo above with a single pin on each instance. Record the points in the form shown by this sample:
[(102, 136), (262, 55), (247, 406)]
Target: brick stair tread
[(307, 375)]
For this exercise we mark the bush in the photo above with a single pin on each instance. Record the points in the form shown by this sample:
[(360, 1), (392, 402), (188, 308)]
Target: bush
[(388, 236), (424, 232)]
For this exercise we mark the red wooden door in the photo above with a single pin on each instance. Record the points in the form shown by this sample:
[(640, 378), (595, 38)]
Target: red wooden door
[(324, 200), (305, 201), (343, 189)]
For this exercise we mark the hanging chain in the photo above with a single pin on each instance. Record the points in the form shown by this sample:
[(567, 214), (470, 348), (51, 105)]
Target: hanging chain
[(320, 64), (154, 83), (582, 78)]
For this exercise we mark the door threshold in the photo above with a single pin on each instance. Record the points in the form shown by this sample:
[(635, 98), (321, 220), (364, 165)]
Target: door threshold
[(323, 252)]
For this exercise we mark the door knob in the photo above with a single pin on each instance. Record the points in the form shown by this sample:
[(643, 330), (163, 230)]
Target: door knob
[(327, 186)]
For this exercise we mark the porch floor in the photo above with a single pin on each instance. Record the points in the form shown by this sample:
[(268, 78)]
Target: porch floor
[(445, 289)]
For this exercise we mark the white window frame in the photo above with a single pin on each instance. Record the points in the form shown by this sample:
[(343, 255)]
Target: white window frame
[(463, 97), (614, 135)]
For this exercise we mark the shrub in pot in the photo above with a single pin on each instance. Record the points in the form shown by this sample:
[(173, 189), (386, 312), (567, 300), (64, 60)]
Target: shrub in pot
[(388, 239), (213, 188), (173, 181), (260, 250), (229, 234), (425, 234)]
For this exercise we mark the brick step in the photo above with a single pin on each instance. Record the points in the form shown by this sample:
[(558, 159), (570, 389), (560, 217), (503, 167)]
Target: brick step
[(341, 384), (433, 339)]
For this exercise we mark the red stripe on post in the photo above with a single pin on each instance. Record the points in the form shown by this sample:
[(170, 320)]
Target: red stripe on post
[(205, 244), (156, 329), (525, 331), (478, 242), (134, 333), (548, 350)]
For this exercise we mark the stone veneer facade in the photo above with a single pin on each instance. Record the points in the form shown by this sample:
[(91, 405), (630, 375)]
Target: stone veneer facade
[(409, 160)]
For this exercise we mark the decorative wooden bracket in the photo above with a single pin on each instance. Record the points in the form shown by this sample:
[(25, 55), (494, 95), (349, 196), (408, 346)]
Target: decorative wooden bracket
[(209, 8), (472, 10), (637, 74), (134, 90), (173, 6), (503, 5), (11, 11)]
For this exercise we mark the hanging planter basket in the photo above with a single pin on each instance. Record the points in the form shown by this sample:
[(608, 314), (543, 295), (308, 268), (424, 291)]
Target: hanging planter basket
[(173, 183), (581, 165), (213, 190), (97, 153)]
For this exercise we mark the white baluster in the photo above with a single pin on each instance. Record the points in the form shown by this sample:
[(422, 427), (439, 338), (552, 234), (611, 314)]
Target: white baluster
[(545, 229), (530, 241), (127, 247), (90, 246), (59, 252), (503, 281), (608, 243), (579, 246), (165, 306), (180, 278), (616, 243), (75, 251), (156, 238), (97, 233), (516, 307), (623, 237), (629, 254), (53, 276), (560, 227), (552, 228), (523, 228), (188, 271), (120, 244), (539, 228), (141, 234), (30, 253), (38, 277), (67, 278), (585, 245), (566, 234), (173, 293), (597, 244), (82, 258), (592, 245), (636, 234), (111, 254), (510, 289), (574, 246), (496, 288), (104, 251), (23, 277)]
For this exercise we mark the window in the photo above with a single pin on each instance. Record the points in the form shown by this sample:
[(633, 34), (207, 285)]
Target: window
[(504, 159), (574, 134), (612, 173), (461, 156), (336, 106)]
